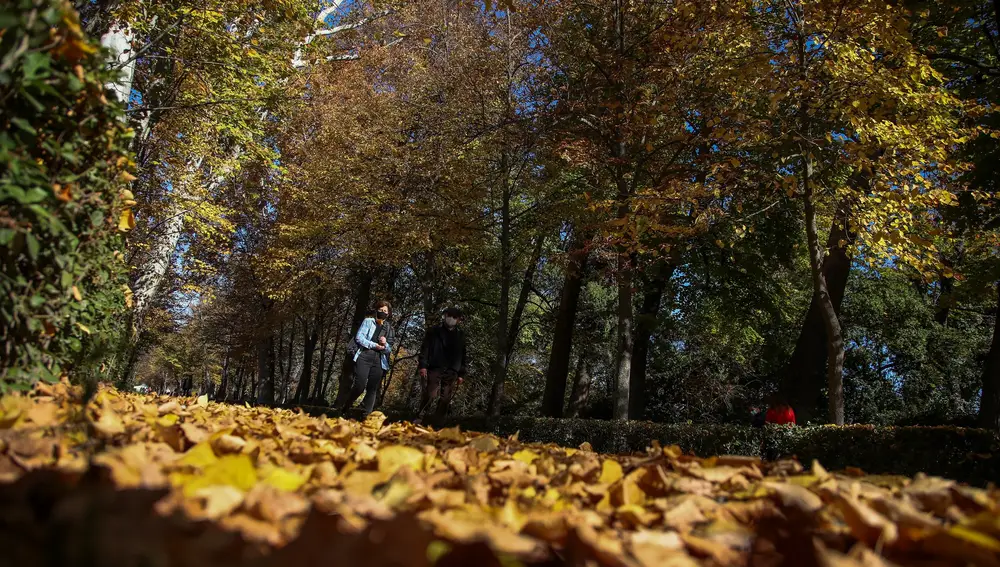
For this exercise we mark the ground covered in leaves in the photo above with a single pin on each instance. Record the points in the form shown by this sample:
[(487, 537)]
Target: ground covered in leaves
[(155, 480)]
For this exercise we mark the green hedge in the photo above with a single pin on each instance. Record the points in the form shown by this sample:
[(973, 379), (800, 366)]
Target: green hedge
[(966, 455), (63, 154)]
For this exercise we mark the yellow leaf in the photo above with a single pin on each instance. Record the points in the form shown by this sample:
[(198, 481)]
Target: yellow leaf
[(126, 221), (202, 400), (168, 420), (611, 472), (232, 470), (526, 456), (76, 293), (83, 327), (394, 457), (199, 456), (283, 479), (973, 537)]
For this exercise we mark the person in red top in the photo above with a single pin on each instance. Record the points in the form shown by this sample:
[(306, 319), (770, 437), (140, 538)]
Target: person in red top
[(780, 414)]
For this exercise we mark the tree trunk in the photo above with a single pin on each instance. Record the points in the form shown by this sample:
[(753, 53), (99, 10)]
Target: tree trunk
[(427, 289), (324, 339), (118, 40), (802, 384), (337, 338), (237, 391), (265, 371), (400, 339), (523, 295), (220, 393), (581, 387), (153, 273), (308, 347), (946, 298), (989, 405), (645, 324), (362, 298), (289, 361), (625, 338), (831, 323), (562, 332), (499, 366)]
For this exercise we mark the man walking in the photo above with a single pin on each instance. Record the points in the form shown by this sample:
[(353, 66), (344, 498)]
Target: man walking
[(442, 363)]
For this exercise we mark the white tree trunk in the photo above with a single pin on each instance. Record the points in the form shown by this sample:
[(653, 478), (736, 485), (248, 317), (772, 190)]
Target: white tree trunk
[(119, 41), (153, 272)]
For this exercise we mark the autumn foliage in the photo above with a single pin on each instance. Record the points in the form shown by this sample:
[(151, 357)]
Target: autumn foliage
[(198, 483), (63, 164)]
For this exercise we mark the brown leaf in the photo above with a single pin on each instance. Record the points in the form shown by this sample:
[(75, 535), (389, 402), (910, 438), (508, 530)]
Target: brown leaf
[(682, 513), (656, 549), (43, 414), (227, 444), (718, 552), (219, 500), (108, 423), (169, 407), (485, 444), (866, 524), (268, 503), (194, 433), (795, 497)]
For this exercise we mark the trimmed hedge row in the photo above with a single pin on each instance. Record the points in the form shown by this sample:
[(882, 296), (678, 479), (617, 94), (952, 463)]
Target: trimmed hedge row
[(966, 455)]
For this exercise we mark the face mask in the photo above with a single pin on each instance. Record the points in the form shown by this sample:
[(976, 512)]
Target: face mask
[(450, 321), (381, 316)]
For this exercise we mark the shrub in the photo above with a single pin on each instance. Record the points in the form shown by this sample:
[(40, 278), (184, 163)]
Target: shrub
[(967, 455), (63, 154)]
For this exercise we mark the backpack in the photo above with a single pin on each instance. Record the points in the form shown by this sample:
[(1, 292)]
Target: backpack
[(353, 347)]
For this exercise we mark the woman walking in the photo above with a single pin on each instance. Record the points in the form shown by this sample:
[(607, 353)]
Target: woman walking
[(374, 342)]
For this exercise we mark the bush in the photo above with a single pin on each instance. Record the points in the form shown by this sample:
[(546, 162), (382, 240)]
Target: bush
[(63, 153), (967, 455)]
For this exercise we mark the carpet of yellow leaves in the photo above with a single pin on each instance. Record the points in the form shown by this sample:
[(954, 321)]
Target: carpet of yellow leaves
[(152, 480)]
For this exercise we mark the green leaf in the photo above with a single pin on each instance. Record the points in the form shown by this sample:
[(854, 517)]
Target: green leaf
[(32, 246), (24, 125), (34, 195), (36, 65)]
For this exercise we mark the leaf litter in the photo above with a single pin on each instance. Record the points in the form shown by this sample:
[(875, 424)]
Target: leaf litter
[(185, 481)]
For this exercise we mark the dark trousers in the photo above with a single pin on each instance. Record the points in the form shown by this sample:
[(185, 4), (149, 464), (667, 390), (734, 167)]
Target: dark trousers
[(367, 378), (439, 384)]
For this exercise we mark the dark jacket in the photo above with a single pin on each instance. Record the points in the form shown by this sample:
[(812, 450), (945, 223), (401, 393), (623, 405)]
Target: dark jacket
[(444, 349)]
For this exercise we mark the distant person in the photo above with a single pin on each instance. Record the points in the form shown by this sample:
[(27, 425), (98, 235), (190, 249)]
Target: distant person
[(374, 342), (442, 364)]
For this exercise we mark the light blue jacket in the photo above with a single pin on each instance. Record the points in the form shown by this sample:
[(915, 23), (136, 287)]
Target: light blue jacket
[(364, 340)]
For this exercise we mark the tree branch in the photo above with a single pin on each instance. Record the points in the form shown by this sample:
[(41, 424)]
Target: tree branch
[(986, 69)]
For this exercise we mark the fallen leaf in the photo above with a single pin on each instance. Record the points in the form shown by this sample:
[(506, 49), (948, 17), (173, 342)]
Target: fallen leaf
[(485, 444), (611, 472), (220, 500), (393, 457), (866, 524)]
